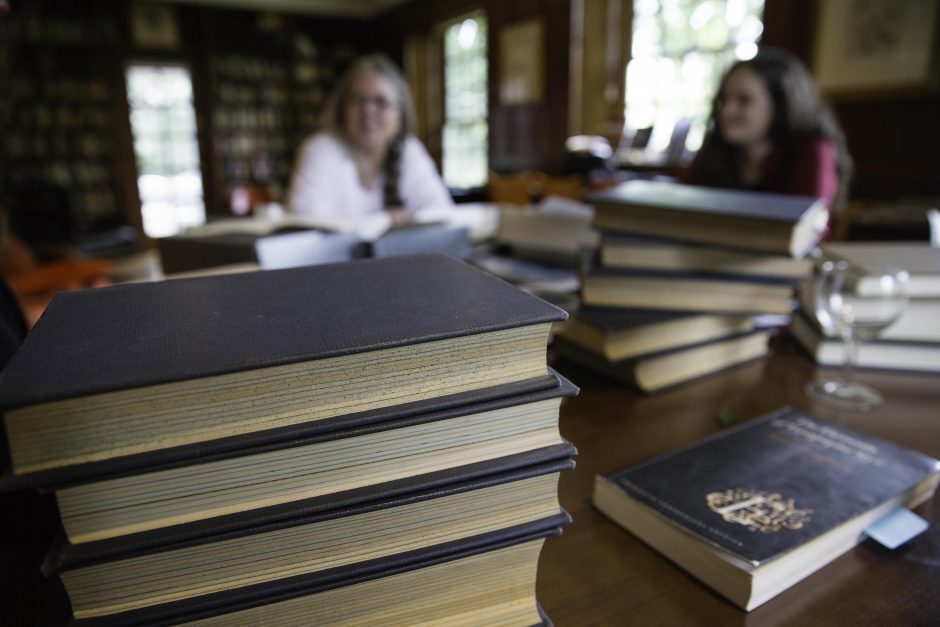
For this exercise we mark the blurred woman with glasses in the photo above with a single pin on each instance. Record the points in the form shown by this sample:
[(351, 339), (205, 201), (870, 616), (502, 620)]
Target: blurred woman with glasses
[(367, 159)]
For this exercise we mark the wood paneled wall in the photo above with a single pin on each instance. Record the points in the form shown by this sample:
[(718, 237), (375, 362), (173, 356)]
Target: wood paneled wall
[(893, 137)]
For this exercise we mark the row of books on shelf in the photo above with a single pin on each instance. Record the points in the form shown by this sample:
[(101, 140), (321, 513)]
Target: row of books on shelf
[(380, 445)]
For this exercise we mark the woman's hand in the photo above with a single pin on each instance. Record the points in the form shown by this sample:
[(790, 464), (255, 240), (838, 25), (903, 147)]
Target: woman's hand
[(400, 216)]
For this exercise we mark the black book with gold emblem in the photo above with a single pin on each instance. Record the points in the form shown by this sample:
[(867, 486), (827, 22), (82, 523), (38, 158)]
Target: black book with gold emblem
[(755, 509)]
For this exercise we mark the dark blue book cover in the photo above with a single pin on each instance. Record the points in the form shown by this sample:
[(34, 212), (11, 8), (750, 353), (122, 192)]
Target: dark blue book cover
[(774, 483), (719, 279), (758, 221), (144, 334), (613, 319), (673, 198), (138, 369)]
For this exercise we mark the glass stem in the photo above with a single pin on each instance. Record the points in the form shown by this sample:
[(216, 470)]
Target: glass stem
[(851, 358)]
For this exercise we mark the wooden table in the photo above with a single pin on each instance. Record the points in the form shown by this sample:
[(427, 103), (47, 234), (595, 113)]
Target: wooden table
[(599, 574)]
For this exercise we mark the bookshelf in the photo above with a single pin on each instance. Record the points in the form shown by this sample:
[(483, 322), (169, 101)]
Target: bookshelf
[(260, 82), (251, 121), (263, 105), (62, 143)]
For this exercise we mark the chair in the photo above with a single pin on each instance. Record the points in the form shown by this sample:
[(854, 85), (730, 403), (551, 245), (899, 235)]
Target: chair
[(641, 138), (675, 151), (565, 186), (521, 188), (633, 144), (35, 282)]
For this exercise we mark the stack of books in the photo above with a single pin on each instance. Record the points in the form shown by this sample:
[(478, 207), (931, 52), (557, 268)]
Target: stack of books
[(541, 247), (557, 231), (370, 441), (912, 343), (688, 279)]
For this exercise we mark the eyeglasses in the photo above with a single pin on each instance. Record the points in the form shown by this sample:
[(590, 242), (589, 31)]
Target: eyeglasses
[(379, 102)]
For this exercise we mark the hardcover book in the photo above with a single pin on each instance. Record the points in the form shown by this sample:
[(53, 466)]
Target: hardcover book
[(415, 583), (620, 334), (771, 223), (516, 399), (493, 588), (917, 322), (131, 369), (280, 481), (921, 261), (362, 536), (560, 234), (685, 291), (412, 240), (181, 253), (755, 509), (637, 253), (879, 354), (664, 369), (531, 276)]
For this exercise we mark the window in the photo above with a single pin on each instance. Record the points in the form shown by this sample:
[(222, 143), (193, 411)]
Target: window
[(465, 163), (163, 123), (680, 50)]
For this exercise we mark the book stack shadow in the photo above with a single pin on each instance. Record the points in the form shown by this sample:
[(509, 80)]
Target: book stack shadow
[(688, 281), (372, 442)]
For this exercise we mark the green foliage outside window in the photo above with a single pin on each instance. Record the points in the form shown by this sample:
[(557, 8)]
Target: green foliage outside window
[(465, 104), (680, 50)]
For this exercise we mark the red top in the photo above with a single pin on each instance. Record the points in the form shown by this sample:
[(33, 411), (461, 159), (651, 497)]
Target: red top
[(807, 170)]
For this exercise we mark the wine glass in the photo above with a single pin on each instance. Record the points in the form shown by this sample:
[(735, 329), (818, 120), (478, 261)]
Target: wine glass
[(855, 304)]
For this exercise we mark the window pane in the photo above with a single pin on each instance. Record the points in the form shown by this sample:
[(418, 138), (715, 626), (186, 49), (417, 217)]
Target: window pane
[(163, 122), (465, 104), (680, 50)]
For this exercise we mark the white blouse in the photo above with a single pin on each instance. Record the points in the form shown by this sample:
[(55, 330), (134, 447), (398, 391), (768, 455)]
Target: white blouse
[(325, 183)]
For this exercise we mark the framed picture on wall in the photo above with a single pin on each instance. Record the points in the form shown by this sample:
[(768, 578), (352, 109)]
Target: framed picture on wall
[(875, 45), (521, 73)]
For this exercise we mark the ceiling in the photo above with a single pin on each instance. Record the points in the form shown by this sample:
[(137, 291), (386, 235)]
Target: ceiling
[(334, 8)]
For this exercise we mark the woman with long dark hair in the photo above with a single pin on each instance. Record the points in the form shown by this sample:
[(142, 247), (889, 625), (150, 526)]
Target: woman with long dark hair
[(769, 130), (367, 159)]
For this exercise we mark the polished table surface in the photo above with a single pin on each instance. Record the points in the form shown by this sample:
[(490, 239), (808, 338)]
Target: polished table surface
[(598, 574)]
